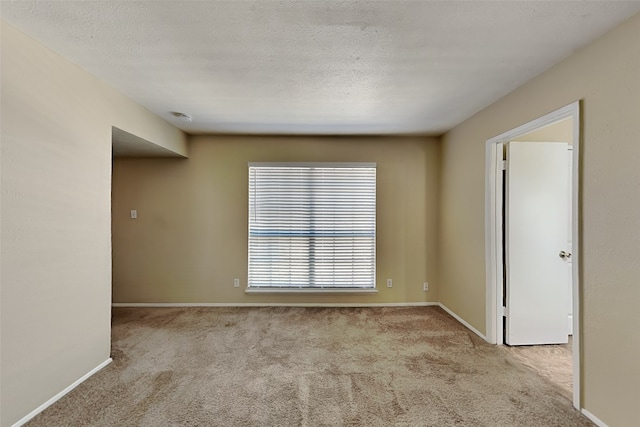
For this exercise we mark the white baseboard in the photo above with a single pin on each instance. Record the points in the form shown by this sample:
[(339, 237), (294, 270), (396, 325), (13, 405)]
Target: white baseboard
[(464, 322), (58, 396), (597, 421), (259, 304)]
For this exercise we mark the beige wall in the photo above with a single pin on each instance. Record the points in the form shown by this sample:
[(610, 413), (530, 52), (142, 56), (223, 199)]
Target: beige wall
[(190, 239), (55, 219), (561, 131), (605, 77)]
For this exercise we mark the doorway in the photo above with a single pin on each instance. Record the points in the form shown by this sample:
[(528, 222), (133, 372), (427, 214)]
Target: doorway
[(495, 234)]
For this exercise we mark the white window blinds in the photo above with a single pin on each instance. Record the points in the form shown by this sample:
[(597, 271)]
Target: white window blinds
[(312, 225)]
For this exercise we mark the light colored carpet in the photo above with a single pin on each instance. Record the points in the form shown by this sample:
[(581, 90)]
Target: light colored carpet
[(554, 362), (281, 366)]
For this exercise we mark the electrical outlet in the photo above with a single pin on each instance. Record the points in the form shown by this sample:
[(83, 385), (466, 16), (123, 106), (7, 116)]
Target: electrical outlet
[(389, 283), (134, 214), (236, 283), (425, 286)]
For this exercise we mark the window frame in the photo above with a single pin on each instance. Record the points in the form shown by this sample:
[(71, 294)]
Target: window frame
[(313, 289)]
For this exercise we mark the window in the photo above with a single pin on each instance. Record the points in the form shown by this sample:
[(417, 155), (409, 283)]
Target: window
[(312, 226)]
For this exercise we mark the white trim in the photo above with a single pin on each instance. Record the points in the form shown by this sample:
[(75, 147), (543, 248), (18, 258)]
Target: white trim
[(546, 120), (493, 229), (577, 256), (276, 304), (259, 290), (313, 164), (597, 421), (493, 235), (59, 396), (461, 320)]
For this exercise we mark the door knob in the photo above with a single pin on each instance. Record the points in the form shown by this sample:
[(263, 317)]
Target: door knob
[(564, 255)]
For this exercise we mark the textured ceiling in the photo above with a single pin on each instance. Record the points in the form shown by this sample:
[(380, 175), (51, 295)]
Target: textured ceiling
[(316, 67)]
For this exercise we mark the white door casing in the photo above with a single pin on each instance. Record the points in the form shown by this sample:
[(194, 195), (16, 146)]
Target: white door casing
[(493, 231), (569, 260), (536, 230)]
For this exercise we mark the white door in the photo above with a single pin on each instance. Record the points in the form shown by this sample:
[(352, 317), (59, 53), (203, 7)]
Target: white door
[(536, 229)]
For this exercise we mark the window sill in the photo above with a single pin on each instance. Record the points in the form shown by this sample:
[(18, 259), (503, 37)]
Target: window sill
[(309, 291)]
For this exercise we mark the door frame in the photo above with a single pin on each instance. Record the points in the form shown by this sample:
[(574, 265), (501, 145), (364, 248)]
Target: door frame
[(494, 235)]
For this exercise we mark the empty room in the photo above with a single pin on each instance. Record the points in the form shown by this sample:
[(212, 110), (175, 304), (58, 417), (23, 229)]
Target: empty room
[(305, 213)]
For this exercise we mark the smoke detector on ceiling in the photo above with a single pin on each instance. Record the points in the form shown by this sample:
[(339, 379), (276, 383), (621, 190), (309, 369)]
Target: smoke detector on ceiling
[(181, 116)]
